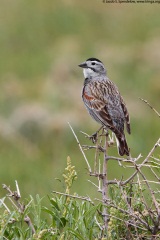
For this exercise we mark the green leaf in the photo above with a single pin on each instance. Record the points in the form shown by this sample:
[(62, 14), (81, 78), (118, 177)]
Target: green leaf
[(55, 204), (63, 221), (47, 211), (76, 234)]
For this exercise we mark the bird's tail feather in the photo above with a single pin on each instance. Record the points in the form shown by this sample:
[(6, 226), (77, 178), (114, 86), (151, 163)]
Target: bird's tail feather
[(122, 146)]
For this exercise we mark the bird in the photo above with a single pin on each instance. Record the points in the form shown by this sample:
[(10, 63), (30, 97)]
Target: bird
[(104, 102)]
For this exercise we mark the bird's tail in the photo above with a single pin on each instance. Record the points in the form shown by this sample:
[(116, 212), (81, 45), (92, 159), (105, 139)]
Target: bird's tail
[(122, 145)]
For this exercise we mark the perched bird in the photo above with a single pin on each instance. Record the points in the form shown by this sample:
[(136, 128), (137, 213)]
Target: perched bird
[(104, 102)]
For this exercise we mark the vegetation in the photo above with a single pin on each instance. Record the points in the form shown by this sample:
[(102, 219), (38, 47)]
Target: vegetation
[(125, 211), (41, 44)]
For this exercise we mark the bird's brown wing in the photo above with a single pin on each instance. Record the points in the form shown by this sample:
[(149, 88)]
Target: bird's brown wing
[(97, 107), (97, 99), (126, 115)]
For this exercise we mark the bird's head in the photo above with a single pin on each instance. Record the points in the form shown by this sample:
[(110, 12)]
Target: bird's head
[(93, 67)]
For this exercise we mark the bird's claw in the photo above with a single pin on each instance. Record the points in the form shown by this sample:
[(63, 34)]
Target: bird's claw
[(94, 137)]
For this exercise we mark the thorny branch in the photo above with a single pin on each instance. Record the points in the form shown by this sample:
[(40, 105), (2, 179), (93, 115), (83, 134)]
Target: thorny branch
[(75, 196), (105, 185), (138, 221)]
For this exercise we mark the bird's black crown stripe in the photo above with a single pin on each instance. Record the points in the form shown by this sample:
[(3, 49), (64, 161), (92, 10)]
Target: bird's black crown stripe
[(93, 59)]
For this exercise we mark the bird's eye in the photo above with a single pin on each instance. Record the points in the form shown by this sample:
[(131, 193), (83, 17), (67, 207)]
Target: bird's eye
[(93, 63)]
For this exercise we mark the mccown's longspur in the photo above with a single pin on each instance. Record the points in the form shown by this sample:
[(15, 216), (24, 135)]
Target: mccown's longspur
[(104, 102)]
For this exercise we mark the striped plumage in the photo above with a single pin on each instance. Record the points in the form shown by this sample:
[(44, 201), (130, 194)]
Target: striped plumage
[(104, 102)]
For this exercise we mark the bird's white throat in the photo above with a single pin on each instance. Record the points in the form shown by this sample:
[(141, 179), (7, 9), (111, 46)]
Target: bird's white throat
[(88, 72)]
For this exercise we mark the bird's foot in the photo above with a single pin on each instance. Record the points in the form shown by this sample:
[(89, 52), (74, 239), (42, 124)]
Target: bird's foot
[(94, 137)]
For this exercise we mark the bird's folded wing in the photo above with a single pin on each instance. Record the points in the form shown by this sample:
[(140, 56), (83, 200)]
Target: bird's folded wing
[(98, 110), (126, 115)]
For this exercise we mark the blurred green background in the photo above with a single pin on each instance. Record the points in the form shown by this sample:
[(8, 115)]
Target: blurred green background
[(41, 44)]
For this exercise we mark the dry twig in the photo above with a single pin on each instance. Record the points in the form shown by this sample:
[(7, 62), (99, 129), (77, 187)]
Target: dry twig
[(15, 195), (89, 168), (145, 101)]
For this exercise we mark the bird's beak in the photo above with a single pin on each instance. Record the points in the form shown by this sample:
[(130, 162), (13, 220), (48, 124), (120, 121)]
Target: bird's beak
[(83, 65)]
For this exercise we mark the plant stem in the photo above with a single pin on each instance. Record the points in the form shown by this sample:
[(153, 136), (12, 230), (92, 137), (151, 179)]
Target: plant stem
[(105, 185)]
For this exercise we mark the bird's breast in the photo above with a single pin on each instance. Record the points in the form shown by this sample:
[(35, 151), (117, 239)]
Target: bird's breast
[(86, 96)]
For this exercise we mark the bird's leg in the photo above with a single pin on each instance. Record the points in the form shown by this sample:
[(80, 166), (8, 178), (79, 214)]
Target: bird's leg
[(94, 136)]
